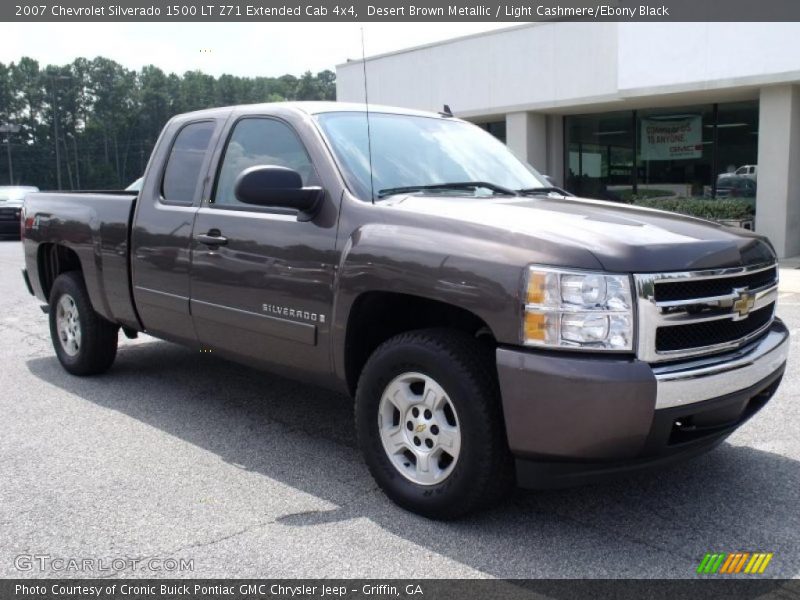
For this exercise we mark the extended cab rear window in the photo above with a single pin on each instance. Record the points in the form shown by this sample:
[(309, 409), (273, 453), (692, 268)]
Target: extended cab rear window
[(182, 173)]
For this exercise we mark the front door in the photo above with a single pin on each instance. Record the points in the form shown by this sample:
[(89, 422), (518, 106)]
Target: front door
[(262, 280)]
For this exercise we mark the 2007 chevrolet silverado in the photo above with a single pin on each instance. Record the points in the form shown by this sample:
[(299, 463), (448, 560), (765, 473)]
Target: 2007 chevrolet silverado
[(490, 327)]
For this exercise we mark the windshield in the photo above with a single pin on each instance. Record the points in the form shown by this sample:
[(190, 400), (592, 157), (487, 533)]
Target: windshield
[(15, 193), (413, 151)]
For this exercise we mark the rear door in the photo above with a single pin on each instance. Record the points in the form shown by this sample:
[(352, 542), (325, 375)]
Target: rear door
[(263, 291), (162, 228)]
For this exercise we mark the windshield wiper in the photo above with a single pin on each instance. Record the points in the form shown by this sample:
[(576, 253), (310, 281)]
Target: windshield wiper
[(458, 185), (543, 191)]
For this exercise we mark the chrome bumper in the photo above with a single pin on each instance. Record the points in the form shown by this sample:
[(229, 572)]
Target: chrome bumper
[(711, 377)]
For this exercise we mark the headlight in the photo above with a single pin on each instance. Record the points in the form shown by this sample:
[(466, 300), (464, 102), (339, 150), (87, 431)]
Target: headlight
[(578, 309)]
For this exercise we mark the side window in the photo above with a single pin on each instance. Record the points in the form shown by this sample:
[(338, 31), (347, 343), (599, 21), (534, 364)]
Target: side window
[(260, 141), (182, 175)]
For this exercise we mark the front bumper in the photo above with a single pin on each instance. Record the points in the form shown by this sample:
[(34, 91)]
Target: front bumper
[(573, 418)]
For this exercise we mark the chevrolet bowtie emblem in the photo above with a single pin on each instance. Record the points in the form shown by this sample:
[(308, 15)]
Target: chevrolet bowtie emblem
[(744, 303), (420, 428)]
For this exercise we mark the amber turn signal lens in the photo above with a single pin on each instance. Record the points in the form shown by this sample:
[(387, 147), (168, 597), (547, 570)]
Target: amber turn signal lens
[(535, 327), (536, 288)]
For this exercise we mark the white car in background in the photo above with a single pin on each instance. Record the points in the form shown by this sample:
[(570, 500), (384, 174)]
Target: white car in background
[(749, 171), (11, 199)]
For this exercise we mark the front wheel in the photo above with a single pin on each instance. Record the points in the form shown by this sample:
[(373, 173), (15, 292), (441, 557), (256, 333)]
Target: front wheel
[(85, 343), (430, 425)]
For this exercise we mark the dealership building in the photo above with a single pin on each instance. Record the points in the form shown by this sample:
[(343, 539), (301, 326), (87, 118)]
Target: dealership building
[(623, 110)]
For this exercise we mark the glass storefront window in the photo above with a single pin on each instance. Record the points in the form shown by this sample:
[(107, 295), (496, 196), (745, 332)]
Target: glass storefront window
[(676, 154), (496, 128), (700, 151), (600, 156), (737, 141)]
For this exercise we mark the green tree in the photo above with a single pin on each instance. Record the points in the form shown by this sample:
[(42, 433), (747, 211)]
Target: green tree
[(109, 117)]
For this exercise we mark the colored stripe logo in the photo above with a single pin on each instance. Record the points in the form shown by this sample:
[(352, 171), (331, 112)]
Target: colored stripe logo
[(724, 563)]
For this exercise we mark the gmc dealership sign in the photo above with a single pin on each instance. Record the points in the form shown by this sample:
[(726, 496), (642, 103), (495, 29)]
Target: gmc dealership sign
[(672, 139)]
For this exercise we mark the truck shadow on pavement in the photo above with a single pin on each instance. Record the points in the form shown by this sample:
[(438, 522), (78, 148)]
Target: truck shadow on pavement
[(656, 525)]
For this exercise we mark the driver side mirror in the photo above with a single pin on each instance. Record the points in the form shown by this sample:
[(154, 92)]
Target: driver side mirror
[(279, 187)]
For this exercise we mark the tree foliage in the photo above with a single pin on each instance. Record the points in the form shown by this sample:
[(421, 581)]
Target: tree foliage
[(108, 117)]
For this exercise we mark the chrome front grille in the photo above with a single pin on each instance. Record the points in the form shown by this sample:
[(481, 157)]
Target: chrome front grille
[(702, 312)]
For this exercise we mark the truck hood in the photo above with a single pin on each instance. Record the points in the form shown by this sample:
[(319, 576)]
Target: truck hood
[(622, 238)]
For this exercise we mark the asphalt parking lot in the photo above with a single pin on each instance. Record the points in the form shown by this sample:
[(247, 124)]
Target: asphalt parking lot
[(183, 455)]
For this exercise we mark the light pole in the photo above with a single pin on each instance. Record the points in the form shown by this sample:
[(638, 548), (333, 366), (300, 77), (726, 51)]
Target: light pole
[(55, 78), (8, 129)]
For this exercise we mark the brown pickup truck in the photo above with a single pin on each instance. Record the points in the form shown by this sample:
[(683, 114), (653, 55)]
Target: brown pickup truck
[(491, 328)]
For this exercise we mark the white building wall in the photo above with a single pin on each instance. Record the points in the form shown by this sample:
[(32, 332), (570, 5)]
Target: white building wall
[(555, 149), (521, 68), (538, 138), (778, 200), (566, 66), (664, 57), (526, 135)]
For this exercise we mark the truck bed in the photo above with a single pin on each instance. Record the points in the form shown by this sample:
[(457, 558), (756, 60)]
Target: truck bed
[(92, 227)]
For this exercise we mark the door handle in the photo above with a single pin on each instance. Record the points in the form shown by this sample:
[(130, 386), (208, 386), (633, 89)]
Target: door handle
[(212, 238)]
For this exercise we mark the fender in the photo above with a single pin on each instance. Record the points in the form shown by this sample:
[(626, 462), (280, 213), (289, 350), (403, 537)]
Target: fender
[(99, 242), (479, 276)]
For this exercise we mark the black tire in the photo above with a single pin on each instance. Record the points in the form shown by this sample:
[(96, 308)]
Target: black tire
[(483, 473), (98, 337)]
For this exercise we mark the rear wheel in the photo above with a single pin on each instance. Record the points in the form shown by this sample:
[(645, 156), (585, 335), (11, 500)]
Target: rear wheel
[(85, 343), (430, 425)]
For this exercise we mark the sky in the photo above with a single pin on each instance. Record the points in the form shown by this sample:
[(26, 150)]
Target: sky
[(245, 49)]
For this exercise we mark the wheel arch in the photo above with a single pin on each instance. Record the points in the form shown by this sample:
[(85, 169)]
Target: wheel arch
[(377, 316), (52, 260)]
